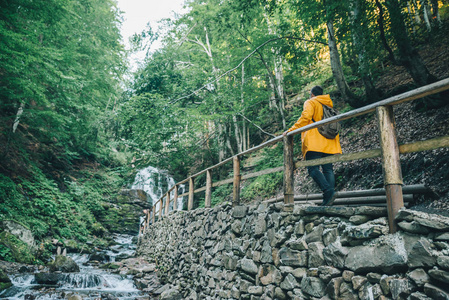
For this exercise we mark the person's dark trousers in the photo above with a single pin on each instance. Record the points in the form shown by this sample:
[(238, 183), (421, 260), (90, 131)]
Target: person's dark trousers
[(325, 179)]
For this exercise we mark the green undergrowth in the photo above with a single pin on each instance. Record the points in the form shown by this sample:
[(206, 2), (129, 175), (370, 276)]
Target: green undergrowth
[(70, 211)]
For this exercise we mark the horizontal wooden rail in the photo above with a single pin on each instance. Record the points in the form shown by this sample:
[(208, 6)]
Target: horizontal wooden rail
[(388, 143)]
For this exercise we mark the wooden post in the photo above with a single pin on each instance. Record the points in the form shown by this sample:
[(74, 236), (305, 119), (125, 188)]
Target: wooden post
[(391, 166), (175, 198), (161, 207), (237, 177), (167, 204), (207, 201), (289, 168), (148, 219), (154, 214), (191, 193)]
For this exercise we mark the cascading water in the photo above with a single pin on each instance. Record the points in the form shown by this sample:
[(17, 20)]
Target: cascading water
[(90, 282), (155, 183)]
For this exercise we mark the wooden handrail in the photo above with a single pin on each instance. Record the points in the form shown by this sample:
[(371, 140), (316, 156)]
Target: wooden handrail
[(387, 132)]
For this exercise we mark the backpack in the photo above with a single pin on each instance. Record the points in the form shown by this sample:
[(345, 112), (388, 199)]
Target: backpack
[(329, 131)]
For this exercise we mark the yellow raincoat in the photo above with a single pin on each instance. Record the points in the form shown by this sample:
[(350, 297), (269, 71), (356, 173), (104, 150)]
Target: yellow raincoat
[(312, 140)]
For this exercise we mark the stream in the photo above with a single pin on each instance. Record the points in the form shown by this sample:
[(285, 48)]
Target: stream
[(90, 283)]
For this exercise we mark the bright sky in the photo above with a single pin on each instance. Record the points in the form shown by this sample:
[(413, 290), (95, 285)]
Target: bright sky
[(137, 13)]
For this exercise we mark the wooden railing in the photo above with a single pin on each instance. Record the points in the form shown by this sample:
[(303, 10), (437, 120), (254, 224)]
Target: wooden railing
[(389, 152)]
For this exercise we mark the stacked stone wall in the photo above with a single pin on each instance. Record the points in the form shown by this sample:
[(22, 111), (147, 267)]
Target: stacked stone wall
[(300, 252)]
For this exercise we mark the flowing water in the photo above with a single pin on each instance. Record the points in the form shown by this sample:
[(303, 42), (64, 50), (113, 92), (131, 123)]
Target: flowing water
[(90, 282), (155, 183)]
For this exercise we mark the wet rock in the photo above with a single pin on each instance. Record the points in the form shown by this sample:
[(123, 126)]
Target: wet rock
[(64, 264), (100, 257), (5, 282), (48, 278)]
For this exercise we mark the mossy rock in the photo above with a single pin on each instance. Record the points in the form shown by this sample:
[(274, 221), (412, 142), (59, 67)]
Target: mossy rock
[(5, 282), (110, 266), (20, 251), (64, 264)]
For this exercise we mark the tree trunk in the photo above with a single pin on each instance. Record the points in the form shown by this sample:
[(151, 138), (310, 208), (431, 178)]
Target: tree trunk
[(337, 70), (408, 55), (380, 22), (427, 17), (410, 58), (355, 16)]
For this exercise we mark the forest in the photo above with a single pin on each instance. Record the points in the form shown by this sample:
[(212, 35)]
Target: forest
[(76, 123)]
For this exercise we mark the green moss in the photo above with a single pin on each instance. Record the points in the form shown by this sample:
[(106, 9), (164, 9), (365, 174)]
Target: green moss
[(110, 266), (5, 285), (20, 251)]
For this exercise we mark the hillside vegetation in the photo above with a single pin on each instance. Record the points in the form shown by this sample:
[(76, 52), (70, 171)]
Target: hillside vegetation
[(229, 75)]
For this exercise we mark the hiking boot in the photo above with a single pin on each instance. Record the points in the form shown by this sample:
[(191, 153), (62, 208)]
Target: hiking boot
[(328, 197)]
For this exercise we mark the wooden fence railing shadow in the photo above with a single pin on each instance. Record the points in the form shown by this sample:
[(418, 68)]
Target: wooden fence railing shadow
[(389, 152)]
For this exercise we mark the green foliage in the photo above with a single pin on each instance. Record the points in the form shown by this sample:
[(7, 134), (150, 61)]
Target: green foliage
[(5, 253), (18, 250)]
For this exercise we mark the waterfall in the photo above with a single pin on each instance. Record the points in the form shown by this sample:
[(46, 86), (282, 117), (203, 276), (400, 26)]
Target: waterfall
[(155, 183)]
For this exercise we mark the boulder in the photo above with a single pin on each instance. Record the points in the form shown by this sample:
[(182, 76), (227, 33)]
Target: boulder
[(48, 278), (64, 264), (5, 282), (387, 254), (20, 231)]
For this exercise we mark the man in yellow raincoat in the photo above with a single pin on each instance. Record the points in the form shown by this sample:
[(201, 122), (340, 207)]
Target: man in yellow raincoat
[(315, 146)]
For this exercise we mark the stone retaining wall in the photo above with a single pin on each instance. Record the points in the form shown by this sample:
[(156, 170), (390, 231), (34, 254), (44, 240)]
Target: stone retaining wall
[(304, 252)]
